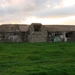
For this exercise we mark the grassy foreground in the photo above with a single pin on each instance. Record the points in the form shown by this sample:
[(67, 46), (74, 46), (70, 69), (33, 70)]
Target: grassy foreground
[(37, 58)]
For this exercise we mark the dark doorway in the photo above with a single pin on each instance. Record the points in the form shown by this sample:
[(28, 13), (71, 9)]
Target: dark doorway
[(37, 27)]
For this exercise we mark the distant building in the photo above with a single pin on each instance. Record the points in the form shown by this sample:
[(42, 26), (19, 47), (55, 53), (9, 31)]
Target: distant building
[(36, 32)]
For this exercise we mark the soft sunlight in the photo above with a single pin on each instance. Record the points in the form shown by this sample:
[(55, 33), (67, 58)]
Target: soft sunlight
[(47, 20), (48, 6), (67, 3), (2, 5), (37, 11), (43, 20)]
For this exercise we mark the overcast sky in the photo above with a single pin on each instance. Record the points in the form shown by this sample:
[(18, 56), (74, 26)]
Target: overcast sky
[(41, 11)]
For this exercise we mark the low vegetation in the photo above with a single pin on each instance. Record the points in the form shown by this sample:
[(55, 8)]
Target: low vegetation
[(37, 58)]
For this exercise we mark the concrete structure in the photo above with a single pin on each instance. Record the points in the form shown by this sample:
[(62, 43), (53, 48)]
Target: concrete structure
[(36, 32)]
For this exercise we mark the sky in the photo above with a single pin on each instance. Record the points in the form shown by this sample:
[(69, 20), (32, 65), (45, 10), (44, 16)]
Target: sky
[(37, 11)]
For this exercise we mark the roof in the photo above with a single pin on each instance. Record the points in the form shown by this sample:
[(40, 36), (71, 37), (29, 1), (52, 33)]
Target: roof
[(36, 24), (14, 28), (53, 28), (24, 28)]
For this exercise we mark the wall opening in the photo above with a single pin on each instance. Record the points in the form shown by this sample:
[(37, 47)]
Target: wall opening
[(69, 36), (37, 28)]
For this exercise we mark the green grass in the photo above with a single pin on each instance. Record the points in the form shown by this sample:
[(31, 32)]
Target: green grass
[(37, 58)]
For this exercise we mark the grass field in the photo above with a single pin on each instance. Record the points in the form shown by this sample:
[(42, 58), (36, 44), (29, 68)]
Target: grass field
[(37, 58)]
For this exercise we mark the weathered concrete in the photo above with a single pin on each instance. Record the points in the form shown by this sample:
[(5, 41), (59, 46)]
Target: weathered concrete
[(36, 32), (38, 36)]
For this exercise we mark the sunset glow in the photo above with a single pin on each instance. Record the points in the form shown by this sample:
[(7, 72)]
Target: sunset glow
[(44, 11)]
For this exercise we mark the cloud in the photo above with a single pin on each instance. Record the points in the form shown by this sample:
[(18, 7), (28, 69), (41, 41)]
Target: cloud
[(18, 10), (12, 6), (69, 22)]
